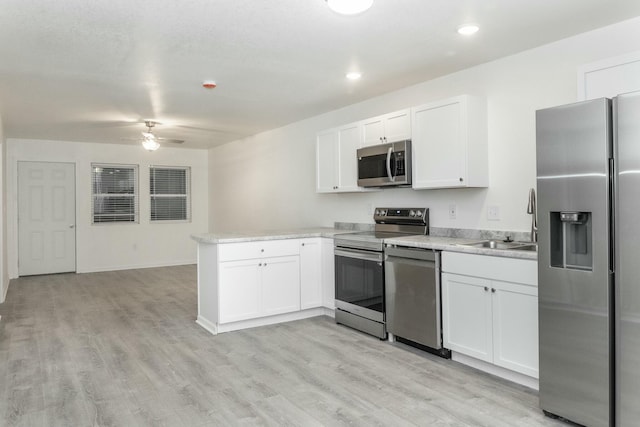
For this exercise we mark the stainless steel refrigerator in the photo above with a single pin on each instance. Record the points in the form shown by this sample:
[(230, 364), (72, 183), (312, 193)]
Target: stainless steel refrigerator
[(588, 166)]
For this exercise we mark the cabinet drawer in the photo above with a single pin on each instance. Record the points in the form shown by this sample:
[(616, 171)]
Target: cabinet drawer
[(514, 270), (260, 249)]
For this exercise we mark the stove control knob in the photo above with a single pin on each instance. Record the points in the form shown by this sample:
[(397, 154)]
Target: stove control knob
[(383, 212), (377, 212), (412, 213), (418, 214)]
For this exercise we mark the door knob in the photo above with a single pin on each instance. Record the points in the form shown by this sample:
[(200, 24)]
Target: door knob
[(72, 225)]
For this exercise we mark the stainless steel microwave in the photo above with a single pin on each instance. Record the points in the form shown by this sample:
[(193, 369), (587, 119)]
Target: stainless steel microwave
[(385, 165)]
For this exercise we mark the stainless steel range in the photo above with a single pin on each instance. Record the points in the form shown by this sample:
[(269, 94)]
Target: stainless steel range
[(359, 265)]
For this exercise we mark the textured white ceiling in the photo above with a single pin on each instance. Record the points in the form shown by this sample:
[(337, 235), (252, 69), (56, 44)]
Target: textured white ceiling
[(92, 71)]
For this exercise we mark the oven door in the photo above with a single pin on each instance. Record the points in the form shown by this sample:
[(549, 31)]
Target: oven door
[(360, 282)]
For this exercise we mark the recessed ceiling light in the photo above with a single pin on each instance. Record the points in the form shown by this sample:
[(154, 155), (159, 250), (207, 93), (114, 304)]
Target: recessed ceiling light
[(469, 29), (349, 7), (354, 75)]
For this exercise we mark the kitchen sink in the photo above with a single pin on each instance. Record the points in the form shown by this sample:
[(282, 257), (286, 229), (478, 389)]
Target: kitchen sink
[(498, 244)]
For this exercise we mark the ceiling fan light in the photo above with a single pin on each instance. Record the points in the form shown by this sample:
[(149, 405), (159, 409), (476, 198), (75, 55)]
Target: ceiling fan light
[(349, 7), (150, 144)]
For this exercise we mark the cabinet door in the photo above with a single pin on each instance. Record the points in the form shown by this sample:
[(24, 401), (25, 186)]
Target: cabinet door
[(280, 285), (336, 161), (326, 161), (239, 287), (439, 145), (328, 275), (515, 327), (398, 126), (310, 274), (373, 131), (347, 171), (467, 318)]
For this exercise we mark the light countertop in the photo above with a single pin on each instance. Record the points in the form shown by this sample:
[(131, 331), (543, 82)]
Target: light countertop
[(254, 236), (451, 244)]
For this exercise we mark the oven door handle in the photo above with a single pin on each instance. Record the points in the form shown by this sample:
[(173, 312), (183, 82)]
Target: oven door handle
[(366, 256)]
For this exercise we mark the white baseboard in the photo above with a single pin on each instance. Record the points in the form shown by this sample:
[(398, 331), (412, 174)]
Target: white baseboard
[(208, 325), (329, 312), (498, 371), (136, 266), (216, 328)]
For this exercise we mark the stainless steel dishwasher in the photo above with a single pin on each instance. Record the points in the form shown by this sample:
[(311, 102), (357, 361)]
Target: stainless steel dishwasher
[(412, 297)]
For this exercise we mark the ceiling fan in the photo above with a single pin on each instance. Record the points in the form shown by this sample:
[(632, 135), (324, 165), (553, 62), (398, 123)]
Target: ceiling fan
[(151, 142)]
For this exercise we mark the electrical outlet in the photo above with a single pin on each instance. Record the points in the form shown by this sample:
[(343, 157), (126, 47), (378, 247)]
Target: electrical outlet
[(493, 213), (452, 211)]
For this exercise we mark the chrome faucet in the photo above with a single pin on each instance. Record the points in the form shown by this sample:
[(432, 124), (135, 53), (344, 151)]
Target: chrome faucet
[(533, 211)]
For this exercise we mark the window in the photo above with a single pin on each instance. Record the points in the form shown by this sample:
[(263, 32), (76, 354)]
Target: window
[(169, 189), (115, 193)]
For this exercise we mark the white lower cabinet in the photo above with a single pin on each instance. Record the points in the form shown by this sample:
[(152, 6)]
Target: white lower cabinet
[(515, 327), (317, 288), (328, 275), (280, 285), (260, 279), (310, 273), (467, 316), (490, 310), (239, 287), (259, 287)]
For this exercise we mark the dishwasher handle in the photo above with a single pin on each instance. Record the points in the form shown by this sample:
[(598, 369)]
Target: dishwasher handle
[(411, 253)]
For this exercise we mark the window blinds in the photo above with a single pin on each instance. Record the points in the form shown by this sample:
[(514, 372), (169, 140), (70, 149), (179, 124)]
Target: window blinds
[(169, 189), (115, 193)]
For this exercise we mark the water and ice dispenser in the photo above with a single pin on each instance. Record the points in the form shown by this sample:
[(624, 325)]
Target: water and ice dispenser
[(571, 240)]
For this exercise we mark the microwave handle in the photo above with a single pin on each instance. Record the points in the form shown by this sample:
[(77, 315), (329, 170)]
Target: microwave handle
[(391, 177)]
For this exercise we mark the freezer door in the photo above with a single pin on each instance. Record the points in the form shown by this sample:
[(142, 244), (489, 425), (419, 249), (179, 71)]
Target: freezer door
[(627, 141), (574, 273)]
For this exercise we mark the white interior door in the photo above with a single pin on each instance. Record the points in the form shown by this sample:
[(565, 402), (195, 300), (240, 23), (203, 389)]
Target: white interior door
[(46, 218)]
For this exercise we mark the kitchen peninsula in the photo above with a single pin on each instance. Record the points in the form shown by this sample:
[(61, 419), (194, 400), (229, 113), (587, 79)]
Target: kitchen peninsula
[(260, 278)]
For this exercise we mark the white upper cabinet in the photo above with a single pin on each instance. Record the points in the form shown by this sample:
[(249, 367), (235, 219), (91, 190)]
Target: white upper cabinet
[(390, 127), (336, 162), (326, 161), (449, 143)]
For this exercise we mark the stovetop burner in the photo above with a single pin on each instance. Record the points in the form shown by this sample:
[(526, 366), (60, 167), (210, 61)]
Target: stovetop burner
[(390, 222)]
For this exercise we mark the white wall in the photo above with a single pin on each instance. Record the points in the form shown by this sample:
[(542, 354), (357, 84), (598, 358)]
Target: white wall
[(115, 246), (268, 180), (4, 275)]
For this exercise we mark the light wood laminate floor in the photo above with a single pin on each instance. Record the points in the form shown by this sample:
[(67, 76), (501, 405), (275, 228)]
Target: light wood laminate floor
[(122, 349)]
